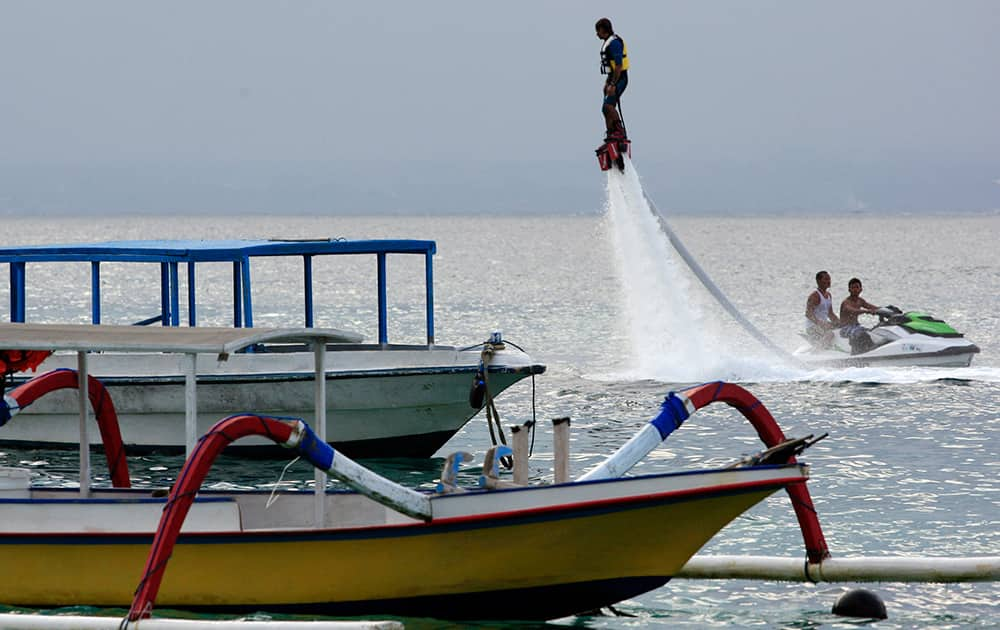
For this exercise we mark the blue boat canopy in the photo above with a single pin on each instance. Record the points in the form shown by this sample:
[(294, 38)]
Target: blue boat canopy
[(170, 253)]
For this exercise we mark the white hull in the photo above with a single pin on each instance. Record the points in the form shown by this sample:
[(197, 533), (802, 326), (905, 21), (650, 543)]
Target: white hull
[(397, 401), (908, 350)]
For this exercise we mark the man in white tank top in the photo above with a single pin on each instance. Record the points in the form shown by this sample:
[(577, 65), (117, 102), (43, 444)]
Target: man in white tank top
[(820, 320)]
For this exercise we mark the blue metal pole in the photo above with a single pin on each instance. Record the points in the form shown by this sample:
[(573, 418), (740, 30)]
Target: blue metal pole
[(175, 296), (247, 300), (237, 295), (192, 309), (429, 282), (383, 319), (95, 292), (307, 269), (13, 293), (164, 294), (21, 299)]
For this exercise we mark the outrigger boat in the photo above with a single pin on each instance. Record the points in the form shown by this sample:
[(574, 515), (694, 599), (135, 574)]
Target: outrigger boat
[(389, 399), (382, 548), (910, 339)]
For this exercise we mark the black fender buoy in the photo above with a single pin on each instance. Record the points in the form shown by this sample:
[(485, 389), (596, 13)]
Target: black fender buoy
[(860, 603), (477, 393)]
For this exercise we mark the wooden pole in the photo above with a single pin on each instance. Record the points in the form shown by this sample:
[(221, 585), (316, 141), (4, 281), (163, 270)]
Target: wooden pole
[(519, 437), (560, 447)]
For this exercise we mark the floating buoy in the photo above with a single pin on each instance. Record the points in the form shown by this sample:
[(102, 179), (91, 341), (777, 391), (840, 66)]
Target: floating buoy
[(860, 603)]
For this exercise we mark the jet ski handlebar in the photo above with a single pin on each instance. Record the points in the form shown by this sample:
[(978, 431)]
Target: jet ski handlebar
[(887, 313)]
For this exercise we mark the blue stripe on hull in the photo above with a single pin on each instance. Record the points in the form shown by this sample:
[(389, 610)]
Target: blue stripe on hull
[(288, 377)]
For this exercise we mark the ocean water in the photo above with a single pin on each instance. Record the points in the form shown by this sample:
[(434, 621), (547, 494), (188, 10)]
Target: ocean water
[(910, 467)]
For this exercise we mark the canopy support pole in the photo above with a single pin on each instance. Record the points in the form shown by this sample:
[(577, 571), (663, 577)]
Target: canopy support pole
[(164, 294), (175, 298), (307, 281), (319, 359), (190, 403), (383, 319), (237, 295), (95, 292), (429, 288), (192, 304), (84, 399)]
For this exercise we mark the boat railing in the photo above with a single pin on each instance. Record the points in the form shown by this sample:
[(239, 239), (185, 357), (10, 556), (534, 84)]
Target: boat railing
[(169, 255)]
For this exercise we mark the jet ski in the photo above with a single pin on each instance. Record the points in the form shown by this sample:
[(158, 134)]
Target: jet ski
[(898, 339)]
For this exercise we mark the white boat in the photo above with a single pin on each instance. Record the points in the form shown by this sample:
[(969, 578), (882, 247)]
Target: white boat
[(911, 339), (388, 399)]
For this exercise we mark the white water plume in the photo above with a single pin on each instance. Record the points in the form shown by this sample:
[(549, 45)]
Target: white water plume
[(668, 328)]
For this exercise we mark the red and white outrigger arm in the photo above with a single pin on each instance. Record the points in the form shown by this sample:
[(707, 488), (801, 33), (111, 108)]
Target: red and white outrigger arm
[(19, 398), (677, 407), (290, 432)]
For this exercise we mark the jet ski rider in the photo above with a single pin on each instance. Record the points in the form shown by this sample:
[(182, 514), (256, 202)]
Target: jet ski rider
[(820, 320), (852, 306), (614, 63)]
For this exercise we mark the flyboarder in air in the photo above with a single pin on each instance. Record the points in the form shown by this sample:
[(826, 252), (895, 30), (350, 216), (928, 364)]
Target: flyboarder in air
[(614, 64)]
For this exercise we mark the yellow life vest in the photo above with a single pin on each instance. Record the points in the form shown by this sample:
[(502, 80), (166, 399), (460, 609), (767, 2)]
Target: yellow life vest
[(608, 64)]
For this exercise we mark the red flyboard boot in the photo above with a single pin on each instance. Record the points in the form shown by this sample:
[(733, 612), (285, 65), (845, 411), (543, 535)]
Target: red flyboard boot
[(602, 157)]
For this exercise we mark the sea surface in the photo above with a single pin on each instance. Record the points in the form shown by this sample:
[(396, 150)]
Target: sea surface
[(911, 463)]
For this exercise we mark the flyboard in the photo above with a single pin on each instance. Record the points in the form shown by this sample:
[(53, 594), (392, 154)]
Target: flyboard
[(616, 150)]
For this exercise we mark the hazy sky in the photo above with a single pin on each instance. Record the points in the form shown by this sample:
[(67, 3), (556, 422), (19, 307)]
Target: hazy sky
[(363, 107)]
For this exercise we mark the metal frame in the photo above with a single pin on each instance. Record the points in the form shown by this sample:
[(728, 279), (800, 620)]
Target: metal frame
[(170, 253)]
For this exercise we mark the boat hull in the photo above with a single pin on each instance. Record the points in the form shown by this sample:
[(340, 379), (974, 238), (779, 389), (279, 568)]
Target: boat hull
[(908, 350), (929, 359), (393, 402), (553, 559)]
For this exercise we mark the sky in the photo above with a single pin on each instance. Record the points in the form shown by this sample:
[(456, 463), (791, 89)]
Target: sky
[(312, 106)]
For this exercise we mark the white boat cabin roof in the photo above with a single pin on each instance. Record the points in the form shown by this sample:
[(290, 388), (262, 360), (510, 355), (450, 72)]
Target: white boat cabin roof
[(173, 339)]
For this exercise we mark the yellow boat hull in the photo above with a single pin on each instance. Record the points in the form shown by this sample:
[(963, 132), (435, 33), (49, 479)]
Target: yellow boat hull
[(553, 563)]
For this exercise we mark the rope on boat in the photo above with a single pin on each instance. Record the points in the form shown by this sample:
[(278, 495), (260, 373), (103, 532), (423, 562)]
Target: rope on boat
[(480, 397), (19, 398)]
